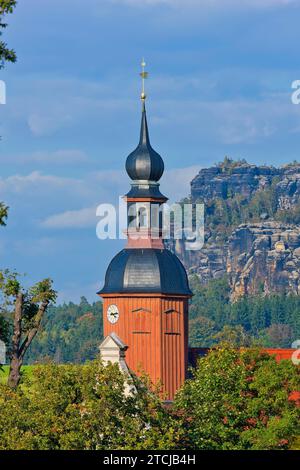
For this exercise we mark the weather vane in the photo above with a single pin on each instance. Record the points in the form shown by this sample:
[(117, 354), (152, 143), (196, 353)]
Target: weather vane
[(144, 75)]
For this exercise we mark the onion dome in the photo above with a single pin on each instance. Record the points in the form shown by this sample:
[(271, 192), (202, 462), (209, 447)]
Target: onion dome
[(144, 163), (146, 271)]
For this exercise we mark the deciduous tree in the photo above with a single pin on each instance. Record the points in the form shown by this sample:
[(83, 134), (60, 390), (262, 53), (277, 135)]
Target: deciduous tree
[(6, 54), (240, 400), (29, 307), (69, 407), (3, 213)]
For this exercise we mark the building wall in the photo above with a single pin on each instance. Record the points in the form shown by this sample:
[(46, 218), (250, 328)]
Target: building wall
[(155, 330)]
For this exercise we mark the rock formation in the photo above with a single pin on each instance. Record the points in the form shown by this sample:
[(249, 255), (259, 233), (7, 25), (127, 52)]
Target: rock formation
[(262, 253), (264, 257), (228, 180)]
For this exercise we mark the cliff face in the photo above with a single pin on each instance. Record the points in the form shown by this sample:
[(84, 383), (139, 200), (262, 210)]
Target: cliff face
[(252, 230), (264, 258), (288, 188), (224, 182)]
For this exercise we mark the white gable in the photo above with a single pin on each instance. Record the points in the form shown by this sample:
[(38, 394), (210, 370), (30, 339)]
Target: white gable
[(112, 350)]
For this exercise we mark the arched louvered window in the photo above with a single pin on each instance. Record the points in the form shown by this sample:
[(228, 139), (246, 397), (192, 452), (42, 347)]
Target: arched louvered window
[(142, 217)]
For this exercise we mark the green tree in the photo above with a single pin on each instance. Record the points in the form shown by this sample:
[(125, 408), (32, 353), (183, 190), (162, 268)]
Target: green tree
[(69, 333), (202, 332), (257, 315), (240, 400), (279, 334), (29, 308), (233, 336), (235, 400), (3, 214), (83, 408), (6, 54)]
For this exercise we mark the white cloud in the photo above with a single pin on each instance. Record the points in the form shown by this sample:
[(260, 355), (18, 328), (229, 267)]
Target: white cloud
[(232, 121), (21, 183), (175, 184), (195, 104), (48, 105), (81, 218), (57, 157), (41, 124), (55, 199)]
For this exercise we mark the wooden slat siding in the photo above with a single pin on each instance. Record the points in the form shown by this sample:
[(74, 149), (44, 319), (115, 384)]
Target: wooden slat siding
[(162, 356), (186, 338), (174, 344)]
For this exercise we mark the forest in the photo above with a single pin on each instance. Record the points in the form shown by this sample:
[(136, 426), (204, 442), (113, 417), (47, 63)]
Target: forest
[(269, 321), (71, 333)]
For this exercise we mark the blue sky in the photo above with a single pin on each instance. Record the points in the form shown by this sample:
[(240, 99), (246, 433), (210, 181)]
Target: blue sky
[(220, 84)]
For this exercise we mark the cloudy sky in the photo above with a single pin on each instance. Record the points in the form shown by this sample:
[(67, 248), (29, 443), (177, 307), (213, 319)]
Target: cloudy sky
[(220, 84)]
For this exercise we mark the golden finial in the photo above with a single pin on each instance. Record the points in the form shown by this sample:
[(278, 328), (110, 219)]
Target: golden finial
[(144, 75)]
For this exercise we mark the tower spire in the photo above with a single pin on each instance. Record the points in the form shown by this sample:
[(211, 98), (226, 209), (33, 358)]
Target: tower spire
[(144, 75), (146, 291), (144, 133), (144, 163)]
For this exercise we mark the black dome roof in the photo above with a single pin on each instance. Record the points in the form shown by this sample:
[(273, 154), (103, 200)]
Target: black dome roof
[(146, 271), (144, 163)]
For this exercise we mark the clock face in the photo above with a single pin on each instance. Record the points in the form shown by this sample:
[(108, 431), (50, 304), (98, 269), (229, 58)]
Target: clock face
[(113, 314)]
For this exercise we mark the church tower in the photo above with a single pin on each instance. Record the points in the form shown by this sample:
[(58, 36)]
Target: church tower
[(146, 291)]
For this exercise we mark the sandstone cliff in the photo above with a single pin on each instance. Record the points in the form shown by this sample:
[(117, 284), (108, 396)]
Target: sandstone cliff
[(252, 230), (228, 180), (264, 258)]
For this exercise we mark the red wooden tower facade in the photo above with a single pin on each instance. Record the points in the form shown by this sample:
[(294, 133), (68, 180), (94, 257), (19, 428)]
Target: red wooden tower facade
[(146, 291)]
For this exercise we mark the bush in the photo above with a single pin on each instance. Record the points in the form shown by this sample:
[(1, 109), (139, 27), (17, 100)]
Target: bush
[(235, 400), (240, 400), (84, 408)]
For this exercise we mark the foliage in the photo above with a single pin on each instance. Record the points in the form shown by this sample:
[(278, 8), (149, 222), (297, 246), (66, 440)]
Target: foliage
[(229, 164), (82, 407), (3, 214), (28, 308), (6, 54), (279, 334), (8, 285), (4, 372), (70, 333), (202, 330), (4, 329), (291, 216), (40, 293), (273, 321), (234, 336), (235, 400), (240, 400)]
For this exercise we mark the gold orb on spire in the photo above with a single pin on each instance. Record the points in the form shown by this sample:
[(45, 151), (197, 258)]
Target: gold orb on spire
[(144, 75)]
